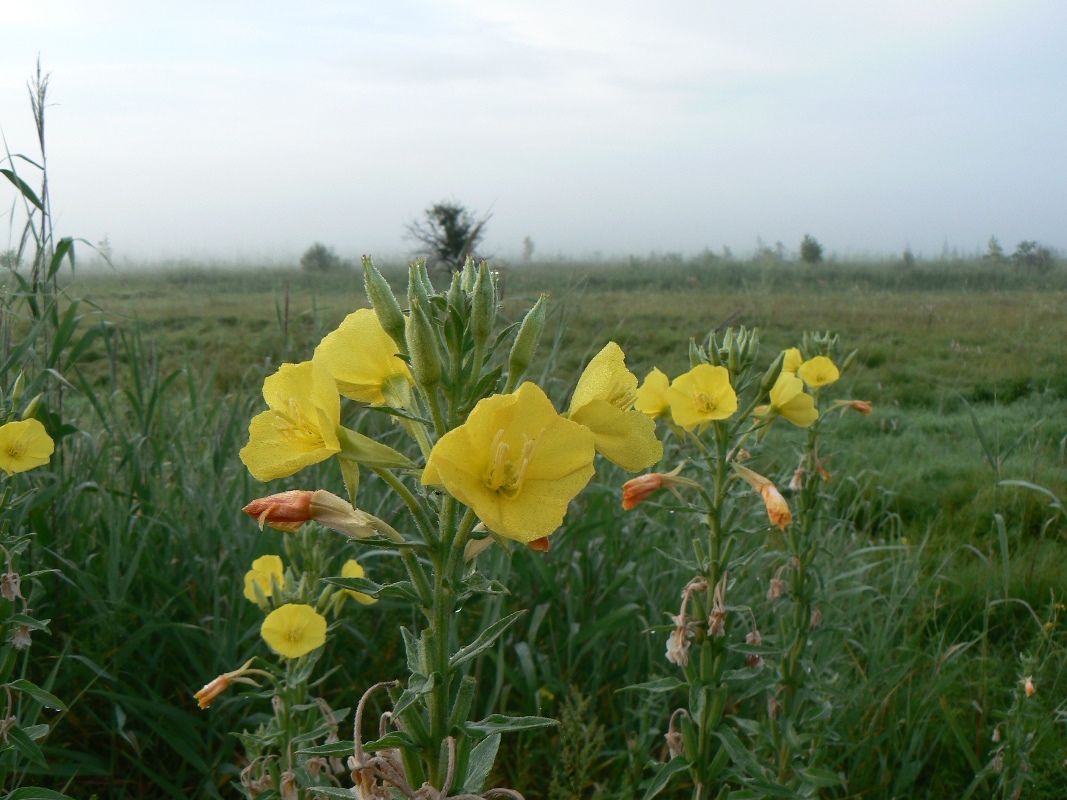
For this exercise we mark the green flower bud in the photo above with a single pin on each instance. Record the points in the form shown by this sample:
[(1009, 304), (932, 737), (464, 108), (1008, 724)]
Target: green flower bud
[(848, 361), (455, 292), (422, 346), (31, 408), (526, 342), (483, 313), (384, 303), (467, 275), (416, 288), (770, 377), (16, 391)]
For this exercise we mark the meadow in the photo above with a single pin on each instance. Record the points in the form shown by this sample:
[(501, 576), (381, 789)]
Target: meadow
[(943, 546)]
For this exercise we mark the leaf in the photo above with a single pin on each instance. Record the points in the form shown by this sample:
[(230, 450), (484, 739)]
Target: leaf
[(65, 247), (814, 776), (332, 750), (656, 686), (990, 456), (23, 187), (484, 640), (40, 695), (482, 758), (1005, 563), (1056, 502), (25, 745), (331, 791), (390, 740), (35, 793), (501, 723), (663, 776)]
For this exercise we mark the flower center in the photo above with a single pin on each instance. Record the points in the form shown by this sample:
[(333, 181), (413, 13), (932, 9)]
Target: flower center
[(295, 633), (704, 402), (621, 396), (295, 428), (15, 449), (505, 474)]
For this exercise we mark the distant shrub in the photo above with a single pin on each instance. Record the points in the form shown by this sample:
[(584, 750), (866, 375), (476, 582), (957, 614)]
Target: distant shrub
[(9, 259), (810, 250), (320, 258), (1033, 256), (994, 252)]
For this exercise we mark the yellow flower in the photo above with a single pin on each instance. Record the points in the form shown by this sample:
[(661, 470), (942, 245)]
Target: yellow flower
[(363, 360), (818, 371), (789, 400), (652, 395), (24, 445), (301, 426), (263, 569), (792, 360), (603, 401), (353, 569), (701, 395), (294, 630), (516, 462)]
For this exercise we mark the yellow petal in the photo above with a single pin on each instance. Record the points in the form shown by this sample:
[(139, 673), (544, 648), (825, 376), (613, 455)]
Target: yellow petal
[(516, 462), (792, 360), (818, 371), (24, 445), (361, 356), (652, 394), (789, 399), (702, 395), (294, 630), (605, 378), (263, 569), (625, 438)]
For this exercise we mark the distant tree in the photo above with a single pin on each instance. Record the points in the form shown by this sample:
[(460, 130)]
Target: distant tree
[(908, 257), (450, 232), (527, 248), (810, 250), (9, 259), (1033, 256), (993, 251), (320, 258)]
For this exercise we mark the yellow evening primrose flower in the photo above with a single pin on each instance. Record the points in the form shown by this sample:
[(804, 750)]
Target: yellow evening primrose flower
[(300, 428), (516, 462), (24, 445), (792, 360), (603, 401), (652, 395), (263, 569), (353, 569), (294, 630), (702, 395), (818, 371), (788, 399), (363, 360)]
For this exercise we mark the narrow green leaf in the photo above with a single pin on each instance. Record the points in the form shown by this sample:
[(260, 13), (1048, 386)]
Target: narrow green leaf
[(391, 739), (25, 745), (38, 694), (501, 723), (484, 640), (664, 773), (482, 758), (35, 793), (655, 687), (23, 187), (332, 750), (1005, 564), (65, 248)]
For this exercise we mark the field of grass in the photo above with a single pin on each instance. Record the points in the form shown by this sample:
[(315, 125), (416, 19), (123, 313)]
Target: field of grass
[(140, 516)]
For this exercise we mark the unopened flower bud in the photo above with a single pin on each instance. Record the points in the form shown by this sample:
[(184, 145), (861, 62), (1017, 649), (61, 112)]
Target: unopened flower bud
[(384, 303), (455, 291), (1028, 686), (422, 345), (483, 305), (16, 390), (30, 411), (639, 489), (287, 511), (526, 340), (771, 375), (417, 291), (207, 695)]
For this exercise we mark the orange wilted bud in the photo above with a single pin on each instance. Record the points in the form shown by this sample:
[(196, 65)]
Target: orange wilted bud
[(1028, 685), (777, 507), (639, 489), (206, 696), (541, 545), (287, 511), (859, 406)]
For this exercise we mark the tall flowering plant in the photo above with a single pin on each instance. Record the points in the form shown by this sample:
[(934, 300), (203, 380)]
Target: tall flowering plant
[(491, 461)]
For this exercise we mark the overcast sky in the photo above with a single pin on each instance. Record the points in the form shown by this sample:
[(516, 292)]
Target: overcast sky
[(251, 129)]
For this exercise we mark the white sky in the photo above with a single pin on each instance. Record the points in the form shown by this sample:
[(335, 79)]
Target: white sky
[(249, 129)]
